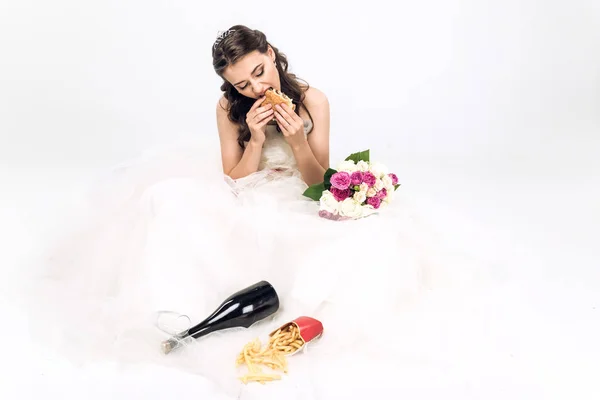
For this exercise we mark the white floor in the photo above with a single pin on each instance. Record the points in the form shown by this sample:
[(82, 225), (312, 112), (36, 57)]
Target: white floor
[(549, 212)]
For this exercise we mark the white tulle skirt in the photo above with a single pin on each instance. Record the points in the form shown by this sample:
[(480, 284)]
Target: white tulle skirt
[(168, 232)]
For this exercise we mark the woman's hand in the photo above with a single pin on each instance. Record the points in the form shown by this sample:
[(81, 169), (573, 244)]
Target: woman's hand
[(291, 125), (257, 119)]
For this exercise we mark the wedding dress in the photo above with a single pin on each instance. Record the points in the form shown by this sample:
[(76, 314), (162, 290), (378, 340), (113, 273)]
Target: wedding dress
[(171, 233)]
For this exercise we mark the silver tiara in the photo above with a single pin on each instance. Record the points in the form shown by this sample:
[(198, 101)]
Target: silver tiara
[(222, 35)]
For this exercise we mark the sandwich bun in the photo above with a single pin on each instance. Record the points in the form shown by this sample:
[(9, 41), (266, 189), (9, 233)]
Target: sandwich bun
[(274, 97)]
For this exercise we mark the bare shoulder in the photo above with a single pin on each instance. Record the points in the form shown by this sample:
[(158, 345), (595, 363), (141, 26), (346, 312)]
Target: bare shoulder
[(222, 105), (227, 129), (223, 111), (317, 104), (315, 97)]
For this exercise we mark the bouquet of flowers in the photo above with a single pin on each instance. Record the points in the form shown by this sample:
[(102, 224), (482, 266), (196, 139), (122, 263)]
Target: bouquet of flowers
[(358, 188)]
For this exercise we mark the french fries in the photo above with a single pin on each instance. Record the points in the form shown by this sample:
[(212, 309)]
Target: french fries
[(284, 341)]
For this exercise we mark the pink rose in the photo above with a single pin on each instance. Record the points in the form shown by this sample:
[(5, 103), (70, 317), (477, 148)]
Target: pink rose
[(374, 201), (356, 178), (394, 179), (340, 194), (369, 179), (381, 194), (340, 180)]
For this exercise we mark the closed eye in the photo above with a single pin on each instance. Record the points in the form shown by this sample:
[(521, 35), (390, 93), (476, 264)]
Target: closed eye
[(246, 85)]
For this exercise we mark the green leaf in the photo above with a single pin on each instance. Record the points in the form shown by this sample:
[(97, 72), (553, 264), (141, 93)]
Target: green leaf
[(315, 191), (360, 156), (396, 186), (327, 180)]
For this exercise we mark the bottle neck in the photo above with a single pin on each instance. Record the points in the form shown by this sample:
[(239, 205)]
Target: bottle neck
[(201, 329)]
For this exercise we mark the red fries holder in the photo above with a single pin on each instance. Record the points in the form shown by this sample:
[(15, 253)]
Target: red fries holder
[(310, 329)]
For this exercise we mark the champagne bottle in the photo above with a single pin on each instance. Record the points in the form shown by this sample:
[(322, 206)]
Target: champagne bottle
[(241, 309)]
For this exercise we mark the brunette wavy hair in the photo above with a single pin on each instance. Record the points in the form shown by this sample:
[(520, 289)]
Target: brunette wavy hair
[(232, 48)]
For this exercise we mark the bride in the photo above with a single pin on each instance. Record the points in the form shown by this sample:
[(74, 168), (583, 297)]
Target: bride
[(178, 232)]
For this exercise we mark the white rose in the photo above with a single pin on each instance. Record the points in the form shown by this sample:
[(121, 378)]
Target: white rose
[(371, 192), (362, 166), (350, 208), (364, 187), (389, 197), (378, 185), (378, 169), (387, 181), (360, 197), (347, 166), (329, 203)]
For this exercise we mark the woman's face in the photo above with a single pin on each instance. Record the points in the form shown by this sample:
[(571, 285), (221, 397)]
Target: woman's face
[(253, 74)]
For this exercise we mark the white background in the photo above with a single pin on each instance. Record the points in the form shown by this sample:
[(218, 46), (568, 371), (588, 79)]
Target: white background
[(491, 108), (99, 81)]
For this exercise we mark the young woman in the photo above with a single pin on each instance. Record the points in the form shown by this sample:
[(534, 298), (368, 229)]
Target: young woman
[(184, 241)]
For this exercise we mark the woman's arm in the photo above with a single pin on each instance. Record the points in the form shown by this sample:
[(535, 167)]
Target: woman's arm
[(312, 155), (237, 163), (312, 171), (249, 161)]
